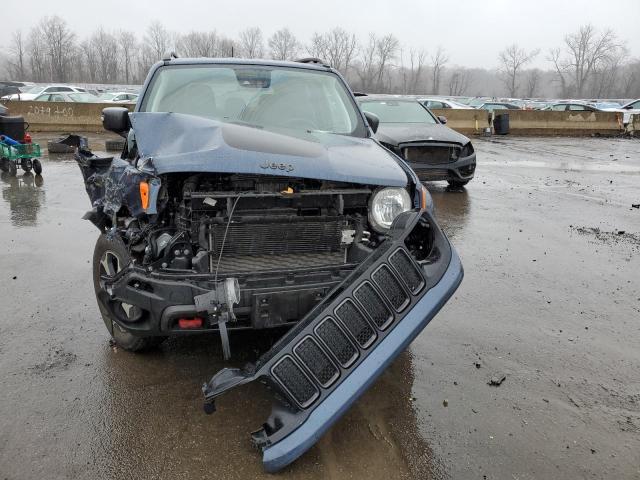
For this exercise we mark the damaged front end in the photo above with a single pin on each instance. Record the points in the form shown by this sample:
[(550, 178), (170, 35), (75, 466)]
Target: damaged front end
[(325, 362), (225, 226)]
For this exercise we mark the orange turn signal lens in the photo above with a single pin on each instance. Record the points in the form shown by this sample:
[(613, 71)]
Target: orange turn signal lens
[(144, 194), (423, 198)]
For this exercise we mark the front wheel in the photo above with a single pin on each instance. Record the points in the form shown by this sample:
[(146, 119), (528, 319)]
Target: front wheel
[(26, 164), (109, 257), (37, 166)]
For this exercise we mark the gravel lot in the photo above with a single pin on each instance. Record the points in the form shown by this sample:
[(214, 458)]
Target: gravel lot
[(550, 243)]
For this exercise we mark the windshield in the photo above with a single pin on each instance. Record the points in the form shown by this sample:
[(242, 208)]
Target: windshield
[(33, 89), (395, 111), (274, 98)]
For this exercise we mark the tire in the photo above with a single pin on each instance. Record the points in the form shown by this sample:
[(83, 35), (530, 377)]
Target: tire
[(458, 183), (4, 165), (109, 257), (37, 166), (114, 145), (12, 168), (26, 164)]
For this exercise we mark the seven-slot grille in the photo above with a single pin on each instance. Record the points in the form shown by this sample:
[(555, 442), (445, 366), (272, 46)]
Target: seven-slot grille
[(354, 327)]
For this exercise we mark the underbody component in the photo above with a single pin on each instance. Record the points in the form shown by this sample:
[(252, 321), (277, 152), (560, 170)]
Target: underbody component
[(330, 357), (218, 305)]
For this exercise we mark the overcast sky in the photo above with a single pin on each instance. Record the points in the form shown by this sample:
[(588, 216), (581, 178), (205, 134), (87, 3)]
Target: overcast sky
[(472, 31)]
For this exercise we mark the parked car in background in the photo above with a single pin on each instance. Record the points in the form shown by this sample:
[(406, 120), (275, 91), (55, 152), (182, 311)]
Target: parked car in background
[(411, 131), (491, 106), (442, 103), (67, 97), (9, 88), (119, 97), (606, 106), (628, 109), (38, 90), (571, 107)]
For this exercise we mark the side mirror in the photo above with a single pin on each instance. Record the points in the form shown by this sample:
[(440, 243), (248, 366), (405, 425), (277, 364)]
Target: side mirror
[(442, 119), (372, 120), (116, 120)]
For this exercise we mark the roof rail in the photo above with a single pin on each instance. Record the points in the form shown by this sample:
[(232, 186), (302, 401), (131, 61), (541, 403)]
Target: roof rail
[(314, 60)]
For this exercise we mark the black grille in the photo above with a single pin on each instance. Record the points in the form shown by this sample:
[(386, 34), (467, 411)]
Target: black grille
[(295, 381), (390, 287), (356, 323), (431, 154), (337, 342), (248, 263), (407, 271), (318, 363), (299, 235), (373, 304)]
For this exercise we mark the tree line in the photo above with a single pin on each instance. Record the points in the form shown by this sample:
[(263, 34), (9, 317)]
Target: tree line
[(588, 63)]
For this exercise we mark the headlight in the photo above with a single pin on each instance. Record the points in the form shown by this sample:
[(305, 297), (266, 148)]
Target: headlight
[(385, 205)]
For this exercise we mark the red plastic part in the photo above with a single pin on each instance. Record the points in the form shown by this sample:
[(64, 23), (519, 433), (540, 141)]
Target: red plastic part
[(27, 138), (187, 323)]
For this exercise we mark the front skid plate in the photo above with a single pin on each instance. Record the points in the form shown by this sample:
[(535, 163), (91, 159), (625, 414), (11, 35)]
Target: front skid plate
[(324, 363)]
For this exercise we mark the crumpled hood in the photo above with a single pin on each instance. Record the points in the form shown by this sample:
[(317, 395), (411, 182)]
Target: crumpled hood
[(186, 143), (396, 133)]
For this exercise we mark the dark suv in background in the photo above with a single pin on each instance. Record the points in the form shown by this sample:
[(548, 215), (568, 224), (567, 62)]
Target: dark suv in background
[(410, 130)]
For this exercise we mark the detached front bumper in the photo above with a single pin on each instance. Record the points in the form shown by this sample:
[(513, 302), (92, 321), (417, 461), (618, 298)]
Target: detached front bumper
[(324, 363)]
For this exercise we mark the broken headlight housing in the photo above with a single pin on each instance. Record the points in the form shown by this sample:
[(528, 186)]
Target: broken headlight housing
[(385, 205), (466, 150)]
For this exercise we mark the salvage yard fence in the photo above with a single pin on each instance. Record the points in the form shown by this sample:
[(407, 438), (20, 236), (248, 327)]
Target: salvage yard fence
[(86, 117)]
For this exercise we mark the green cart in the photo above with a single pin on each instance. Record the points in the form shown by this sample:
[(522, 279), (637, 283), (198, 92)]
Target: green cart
[(23, 155)]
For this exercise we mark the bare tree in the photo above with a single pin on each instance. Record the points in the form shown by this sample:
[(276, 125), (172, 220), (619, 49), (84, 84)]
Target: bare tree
[(585, 52), (366, 64), (105, 47), (89, 61), (17, 64), (560, 70), (386, 51), (459, 81), (251, 43), (283, 45), (59, 47), (438, 61), (128, 45), (157, 41), (199, 44), (38, 61), (533, 82), (337, 46), (512, 59), (605, 77), (417, 60)]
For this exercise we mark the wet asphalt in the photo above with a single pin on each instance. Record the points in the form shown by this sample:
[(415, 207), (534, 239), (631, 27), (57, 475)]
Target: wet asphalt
[(550, 302)]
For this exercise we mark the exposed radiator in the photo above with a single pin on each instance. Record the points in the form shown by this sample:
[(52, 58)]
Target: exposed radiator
[(292, 242)]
